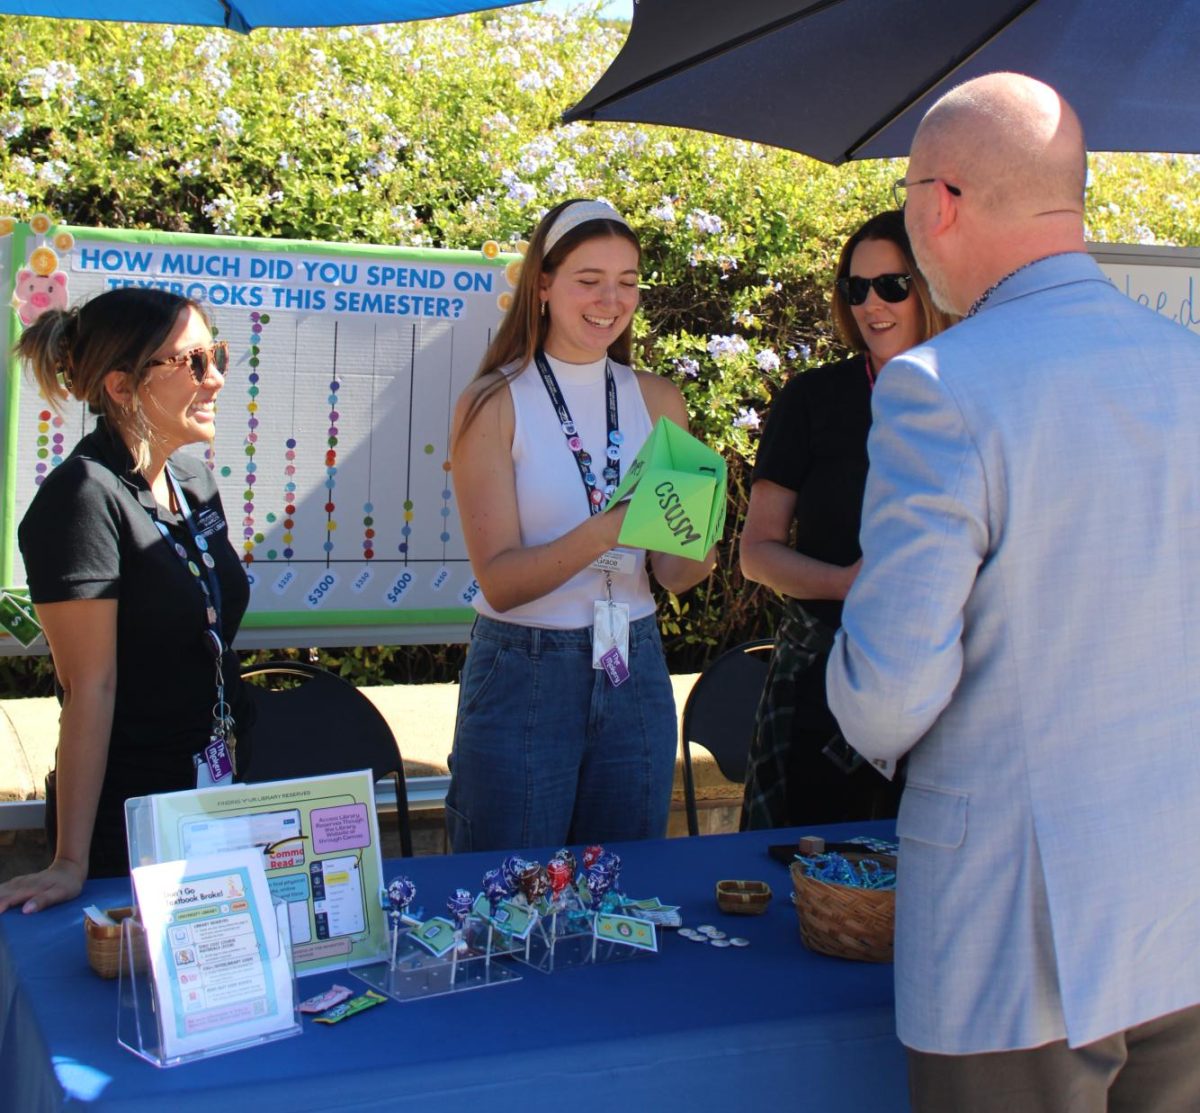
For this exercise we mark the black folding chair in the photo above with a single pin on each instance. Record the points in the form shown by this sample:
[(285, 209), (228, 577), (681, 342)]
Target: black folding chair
[(310, 723), (719, 715)]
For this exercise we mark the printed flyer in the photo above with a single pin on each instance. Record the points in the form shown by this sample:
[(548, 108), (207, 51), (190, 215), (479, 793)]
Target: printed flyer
[(220, 972), (318, 838)]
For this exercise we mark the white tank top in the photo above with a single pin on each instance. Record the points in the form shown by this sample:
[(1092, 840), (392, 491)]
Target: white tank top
[(551, 498)]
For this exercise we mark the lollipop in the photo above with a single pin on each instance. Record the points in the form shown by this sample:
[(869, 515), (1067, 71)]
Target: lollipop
[(591, 855), (495, 889), (559, 874), (459, 906), (533, 882), (400, 893), (568, 856), (598, 880), (510, 869), (612, 863)]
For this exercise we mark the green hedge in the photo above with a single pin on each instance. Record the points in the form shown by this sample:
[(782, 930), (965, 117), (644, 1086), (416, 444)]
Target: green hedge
[(446, 134)]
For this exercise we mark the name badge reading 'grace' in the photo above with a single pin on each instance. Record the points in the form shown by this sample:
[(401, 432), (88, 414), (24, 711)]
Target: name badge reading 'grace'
[(620, 561)]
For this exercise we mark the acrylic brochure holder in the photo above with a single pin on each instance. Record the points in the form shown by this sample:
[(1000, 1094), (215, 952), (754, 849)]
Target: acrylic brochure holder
[(140, 1016)]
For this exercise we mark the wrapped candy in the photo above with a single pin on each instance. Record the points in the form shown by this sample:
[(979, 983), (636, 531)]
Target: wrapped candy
[(559, 874), (591, 855), (400, 894), (495, 889), (568, 856), (459, 906), (510, 869), (534, 882), (598, 880), (612, 863)]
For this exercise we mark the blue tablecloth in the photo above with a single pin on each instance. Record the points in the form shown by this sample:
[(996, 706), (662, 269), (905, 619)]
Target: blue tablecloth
[(694, 1027)]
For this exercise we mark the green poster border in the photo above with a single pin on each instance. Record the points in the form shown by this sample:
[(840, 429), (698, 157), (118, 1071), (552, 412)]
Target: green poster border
[(8, 493), (283, 620)]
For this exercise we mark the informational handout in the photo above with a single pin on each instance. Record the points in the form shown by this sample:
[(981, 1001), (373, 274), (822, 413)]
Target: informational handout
[(220, 973)]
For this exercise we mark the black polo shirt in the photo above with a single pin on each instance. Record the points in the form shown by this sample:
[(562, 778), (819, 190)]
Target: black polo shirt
[(815, 443), (89, 533)]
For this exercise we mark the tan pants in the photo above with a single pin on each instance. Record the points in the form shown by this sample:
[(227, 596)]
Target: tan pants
[(1153, 1068)]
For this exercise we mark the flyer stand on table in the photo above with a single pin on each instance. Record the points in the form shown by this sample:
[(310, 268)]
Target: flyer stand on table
[(206, 965)]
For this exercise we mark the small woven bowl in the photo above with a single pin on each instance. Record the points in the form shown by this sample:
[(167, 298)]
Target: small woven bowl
[(104, 942), (743, 898), (845, 921)]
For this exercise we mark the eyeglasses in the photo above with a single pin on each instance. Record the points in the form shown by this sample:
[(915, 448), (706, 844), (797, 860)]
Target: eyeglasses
[(891, 287), (901, 184), (198, 359)]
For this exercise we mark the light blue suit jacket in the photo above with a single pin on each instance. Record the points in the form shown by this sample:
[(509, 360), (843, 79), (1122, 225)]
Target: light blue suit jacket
[(1027, 627)]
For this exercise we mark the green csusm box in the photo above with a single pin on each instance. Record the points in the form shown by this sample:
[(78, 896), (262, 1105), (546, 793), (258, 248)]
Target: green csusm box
[(676, 491)]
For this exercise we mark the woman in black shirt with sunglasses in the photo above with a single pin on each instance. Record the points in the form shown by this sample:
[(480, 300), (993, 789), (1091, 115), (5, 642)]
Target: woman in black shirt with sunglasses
[(131, 571), (810, 476)]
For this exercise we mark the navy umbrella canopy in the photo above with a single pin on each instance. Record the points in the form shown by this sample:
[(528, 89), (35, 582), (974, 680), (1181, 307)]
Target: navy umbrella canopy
[(851, 79), (245, 15)]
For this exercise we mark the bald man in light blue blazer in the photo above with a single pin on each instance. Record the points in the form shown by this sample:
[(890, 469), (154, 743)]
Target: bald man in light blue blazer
[(1026, 629)]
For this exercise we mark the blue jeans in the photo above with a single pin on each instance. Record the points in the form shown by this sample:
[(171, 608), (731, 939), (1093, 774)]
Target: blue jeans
[(547, 752)]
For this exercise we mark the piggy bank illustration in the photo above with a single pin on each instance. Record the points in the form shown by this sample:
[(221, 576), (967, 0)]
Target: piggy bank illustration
[(36, 293)]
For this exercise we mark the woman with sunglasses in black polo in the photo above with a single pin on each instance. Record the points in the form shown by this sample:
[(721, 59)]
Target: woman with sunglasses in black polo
[(801, 535), (132, 575)]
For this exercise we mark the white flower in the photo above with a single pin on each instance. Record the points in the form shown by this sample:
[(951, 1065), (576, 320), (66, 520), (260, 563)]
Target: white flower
[(727, 347), (189, 169), (24, 165), (167, 39), (707, 223), (664, 210), (380, 164), (747, 418), (689, 368), (530, 82), (665, 149), (230, 120), (767, 360), (213, 47), (53, 172), (11, 125), (222, 212)]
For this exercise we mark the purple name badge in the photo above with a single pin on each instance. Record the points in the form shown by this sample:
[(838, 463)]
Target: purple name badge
[(220, 766), (614, 665)]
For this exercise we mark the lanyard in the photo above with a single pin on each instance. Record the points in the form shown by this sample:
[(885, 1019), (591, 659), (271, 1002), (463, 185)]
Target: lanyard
[(596, 495), (210, 589)]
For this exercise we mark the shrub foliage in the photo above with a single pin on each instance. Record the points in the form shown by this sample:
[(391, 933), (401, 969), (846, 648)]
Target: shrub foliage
[(445, 134)]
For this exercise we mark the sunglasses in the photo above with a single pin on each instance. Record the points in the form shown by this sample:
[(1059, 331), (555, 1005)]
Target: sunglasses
[(890, 287), (198, 359)]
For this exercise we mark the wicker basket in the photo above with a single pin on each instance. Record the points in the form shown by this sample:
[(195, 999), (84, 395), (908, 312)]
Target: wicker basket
[(104, 943), (743, 898), (844, 921)]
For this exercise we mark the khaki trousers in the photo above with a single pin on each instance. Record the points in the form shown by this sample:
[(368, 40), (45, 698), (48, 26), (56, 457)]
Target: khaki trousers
[(1153, 1068)]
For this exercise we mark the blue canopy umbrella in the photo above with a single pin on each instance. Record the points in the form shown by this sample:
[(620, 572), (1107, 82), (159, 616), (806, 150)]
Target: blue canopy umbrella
[(845, 79), (245, 15)]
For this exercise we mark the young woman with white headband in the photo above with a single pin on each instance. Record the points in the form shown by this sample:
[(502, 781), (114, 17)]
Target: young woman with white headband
[(550, 745)]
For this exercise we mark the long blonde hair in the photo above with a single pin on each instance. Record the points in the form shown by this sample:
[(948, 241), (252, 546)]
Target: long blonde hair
[(524, 327), (69, 352)]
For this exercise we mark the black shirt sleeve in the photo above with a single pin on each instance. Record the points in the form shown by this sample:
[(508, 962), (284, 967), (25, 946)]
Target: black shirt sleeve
[(784, 452), (70, 535)]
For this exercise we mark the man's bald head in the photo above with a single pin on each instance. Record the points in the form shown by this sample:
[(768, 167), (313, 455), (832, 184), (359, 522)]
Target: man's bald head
[(1002, 167), (1012, 141)]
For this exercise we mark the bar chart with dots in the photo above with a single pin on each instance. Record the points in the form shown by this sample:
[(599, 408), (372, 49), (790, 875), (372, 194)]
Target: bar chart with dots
[(333, 427)]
